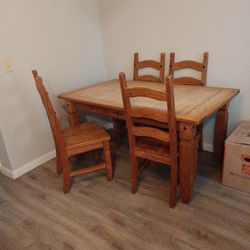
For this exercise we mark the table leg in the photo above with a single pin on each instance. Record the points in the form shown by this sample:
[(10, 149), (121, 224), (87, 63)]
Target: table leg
[(117, 127), (220, 132), (73, 116), (200, 142), (188, 158)]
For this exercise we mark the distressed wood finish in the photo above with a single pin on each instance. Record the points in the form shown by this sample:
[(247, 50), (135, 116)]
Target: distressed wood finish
[(118, 124), (188, 64), (193, 105), (74, 140), (73, 116), (159, 66), (188, 151), (197, 66), (163, 147)]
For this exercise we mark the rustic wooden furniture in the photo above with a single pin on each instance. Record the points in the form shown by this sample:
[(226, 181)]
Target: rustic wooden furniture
[(74, 141), (189, 64), (58, 163), (193, 105), (147, 142), (200, 67), (159, 67)]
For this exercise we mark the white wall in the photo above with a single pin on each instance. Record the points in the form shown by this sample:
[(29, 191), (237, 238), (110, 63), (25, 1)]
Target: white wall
[(188, 28), (62, 40)]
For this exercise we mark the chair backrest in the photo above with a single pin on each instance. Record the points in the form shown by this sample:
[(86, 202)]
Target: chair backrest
[(159, 66), (189, 64), (133, 112), (54, 123)]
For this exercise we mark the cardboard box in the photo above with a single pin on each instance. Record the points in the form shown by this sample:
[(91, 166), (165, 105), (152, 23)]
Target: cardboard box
[(236, 167)]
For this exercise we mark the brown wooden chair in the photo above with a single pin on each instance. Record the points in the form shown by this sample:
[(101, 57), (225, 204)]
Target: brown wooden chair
[(118, 125), (58, 163), (188, 64), (147, 142), (159, 66), (185, 80), (74, 141)]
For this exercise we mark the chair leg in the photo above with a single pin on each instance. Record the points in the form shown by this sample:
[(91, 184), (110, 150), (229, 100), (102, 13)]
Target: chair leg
[(107, 158), (66, 176), (96, 156), (200, 129), (59, 168), (117, 128), (134, 173), (196, 157), (173, 185)]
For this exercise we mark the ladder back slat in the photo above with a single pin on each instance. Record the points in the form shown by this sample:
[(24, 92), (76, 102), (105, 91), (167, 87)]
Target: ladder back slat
[(146, 92), (150, 132), (148, 78), (149, 113), (149, 64), (188, 81), (188, 65), (157, 65)]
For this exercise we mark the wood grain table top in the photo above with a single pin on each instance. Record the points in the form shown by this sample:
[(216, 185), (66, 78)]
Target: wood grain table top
[(193, 104)]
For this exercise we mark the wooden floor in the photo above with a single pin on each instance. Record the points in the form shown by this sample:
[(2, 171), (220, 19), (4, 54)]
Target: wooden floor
[(97, 214)]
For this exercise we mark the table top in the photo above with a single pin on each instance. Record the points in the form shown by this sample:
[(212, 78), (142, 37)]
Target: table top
[(193, 104)]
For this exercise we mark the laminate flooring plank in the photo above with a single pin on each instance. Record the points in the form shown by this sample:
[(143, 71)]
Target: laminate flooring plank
[(97, 214)]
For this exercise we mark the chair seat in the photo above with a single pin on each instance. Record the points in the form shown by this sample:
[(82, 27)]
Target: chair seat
[(152, 149), (88, 135)]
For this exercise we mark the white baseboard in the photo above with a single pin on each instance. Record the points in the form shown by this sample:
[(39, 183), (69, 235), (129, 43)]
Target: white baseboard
[(7, 172), (208, 147), (13, 174)]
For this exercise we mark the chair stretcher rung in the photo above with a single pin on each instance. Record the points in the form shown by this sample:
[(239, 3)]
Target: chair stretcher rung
[(88, 169)]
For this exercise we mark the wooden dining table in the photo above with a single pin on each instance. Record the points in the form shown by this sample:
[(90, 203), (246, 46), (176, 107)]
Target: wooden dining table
[(193, 104)]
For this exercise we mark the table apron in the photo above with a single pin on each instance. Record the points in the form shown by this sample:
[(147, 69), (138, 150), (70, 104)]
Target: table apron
[(100, 110)]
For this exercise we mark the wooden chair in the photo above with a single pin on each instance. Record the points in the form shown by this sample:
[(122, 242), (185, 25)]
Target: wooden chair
[(118, 125), (185, 80), (188, 64), (147, 142), (74, 141), (159, 66), (58, 163)]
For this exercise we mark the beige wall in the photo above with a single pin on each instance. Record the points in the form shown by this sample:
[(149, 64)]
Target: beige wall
[(61, 39), (187, 27)]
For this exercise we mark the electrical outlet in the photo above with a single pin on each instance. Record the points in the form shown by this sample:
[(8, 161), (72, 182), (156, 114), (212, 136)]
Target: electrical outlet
[(7, 66)]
